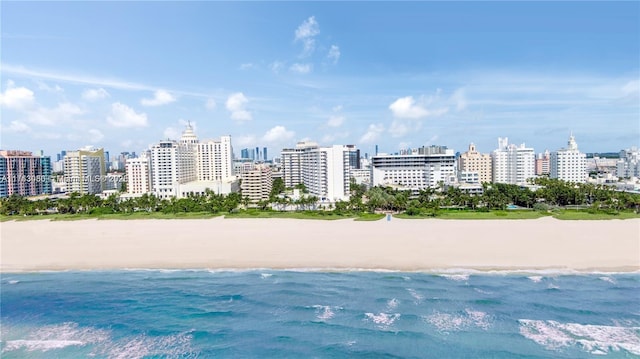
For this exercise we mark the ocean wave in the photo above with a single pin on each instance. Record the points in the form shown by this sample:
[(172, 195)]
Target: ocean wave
[(536, 278), (607, 279), (325, 312), (447, 322), (392, 304), (418, 298), (101, 342), (456, 277), (382, 320), (595, 339)]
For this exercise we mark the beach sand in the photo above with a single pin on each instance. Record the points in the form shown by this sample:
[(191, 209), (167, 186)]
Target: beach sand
[(406, 245)]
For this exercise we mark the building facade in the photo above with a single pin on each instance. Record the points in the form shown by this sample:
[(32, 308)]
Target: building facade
[(512, 164), (569, 164), (172, 163), (629, 163), (139, 174), (24, 174), (426, 167), (215, 159), (473, 161), (543, 163), (85, 171), (257, 183)]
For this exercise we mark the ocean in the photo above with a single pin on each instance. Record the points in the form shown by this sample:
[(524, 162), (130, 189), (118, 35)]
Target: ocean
[(319, 314)]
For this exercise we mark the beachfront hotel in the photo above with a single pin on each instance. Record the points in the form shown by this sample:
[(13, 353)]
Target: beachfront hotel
[(139, 174), (425, 167), (24, 174), (324, 171), (473, 161), (215, 159), (569, 164), (85, 170), (172, 163), (542, 163), (512, 164)]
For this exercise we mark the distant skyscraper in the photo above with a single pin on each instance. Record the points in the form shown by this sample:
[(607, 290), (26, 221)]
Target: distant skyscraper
[(569, 164), (257, 154), (264, 154), (85, 170), (244, 153), (512, 164), (24, 174)]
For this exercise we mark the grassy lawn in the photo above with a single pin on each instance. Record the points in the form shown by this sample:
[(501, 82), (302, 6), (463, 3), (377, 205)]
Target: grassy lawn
[(445, 214), (114, 216), (585, 215), (301, 215)]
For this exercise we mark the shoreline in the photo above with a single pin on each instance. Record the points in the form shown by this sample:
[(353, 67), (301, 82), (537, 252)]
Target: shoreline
[(400, 245)]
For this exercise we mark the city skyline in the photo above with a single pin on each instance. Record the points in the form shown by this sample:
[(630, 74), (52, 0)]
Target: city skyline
[(396, 75)]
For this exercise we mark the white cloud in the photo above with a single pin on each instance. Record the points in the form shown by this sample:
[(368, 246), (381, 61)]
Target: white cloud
[(406, 107), (632, 87), (373, 133), (334, 54), (398, 129), (335, 121), (160, 97), (210, 104), (95, 136), (95, 94), (44, 87), (245, 140), (331, 138), (16, 126), (276, 66), (16, 98), (278, 134), (236, 105), (54, 116), (124, 116), (306, 33), (337, 108), (47, 136), (301, 68), (247, 66)]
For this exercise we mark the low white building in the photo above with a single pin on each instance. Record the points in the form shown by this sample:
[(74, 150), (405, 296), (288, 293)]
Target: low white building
[(425, 168)]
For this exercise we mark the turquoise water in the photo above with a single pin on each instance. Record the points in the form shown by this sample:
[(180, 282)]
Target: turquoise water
[(298, 314)]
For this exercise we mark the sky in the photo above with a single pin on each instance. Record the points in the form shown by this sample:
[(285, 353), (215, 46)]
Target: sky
[(125, 75)]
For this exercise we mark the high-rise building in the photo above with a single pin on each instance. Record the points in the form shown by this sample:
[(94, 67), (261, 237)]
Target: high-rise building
[(425, 167), (629, 163), (542, 163), (215, 159), (139, 174), (24, 174), (474, 162), (85, 170), (569, 164), (264, 154), (257, 183), (512, 164), (172, 163), (325, 171), (244, 153)]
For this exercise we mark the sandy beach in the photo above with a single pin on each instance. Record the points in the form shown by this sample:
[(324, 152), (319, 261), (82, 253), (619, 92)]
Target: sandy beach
[(407, 245)]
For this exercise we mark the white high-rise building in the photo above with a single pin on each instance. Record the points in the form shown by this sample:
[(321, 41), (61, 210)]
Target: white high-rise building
[(568, 164), (85, 170), (173, 163), (426, 167), (139, 174), (325, 171), (215, 159), (629, 163), (512, 164)]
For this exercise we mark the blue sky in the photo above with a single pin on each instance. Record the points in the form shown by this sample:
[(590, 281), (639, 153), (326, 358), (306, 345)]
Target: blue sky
[(123, 75)]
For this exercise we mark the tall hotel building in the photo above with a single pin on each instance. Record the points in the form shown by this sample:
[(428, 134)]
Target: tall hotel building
[(512, 164), (474, 162), (24, 174), (173, 163), (325, 171), (139, 174), (215, 159), (422, 168), (569, 164), (85, 170)]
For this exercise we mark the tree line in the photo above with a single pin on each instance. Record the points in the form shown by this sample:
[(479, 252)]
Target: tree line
[(496, 196)]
